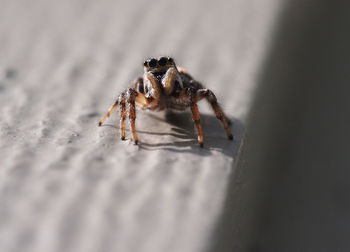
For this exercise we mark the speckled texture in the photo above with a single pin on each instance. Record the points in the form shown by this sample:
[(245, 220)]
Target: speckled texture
[(67, 185)]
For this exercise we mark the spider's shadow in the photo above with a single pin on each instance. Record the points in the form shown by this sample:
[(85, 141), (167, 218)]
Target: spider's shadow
[(183, 128)]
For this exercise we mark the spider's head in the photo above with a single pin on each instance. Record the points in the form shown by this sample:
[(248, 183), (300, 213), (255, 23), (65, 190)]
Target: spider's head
[(158, 65)]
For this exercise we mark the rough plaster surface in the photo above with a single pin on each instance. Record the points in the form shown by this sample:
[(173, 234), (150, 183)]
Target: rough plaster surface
[(67, 185)]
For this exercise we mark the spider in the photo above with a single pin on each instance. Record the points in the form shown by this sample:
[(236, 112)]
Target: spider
[(165, 86)]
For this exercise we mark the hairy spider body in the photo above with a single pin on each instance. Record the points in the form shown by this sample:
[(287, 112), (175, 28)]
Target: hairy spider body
[(165, 86)]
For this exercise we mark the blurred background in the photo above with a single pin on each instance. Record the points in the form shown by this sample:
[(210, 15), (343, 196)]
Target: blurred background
[(290, 190), (276, 67)]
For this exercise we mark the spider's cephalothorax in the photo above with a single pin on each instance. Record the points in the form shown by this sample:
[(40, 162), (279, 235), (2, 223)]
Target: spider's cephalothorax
[(165, 86)]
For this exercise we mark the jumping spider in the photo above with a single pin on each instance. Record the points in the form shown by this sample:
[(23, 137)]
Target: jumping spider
[(165, 86)]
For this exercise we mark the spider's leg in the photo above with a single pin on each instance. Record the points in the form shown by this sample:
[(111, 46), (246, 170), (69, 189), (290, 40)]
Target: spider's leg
[(191, 93), (196, 120), (168, 81), (122, 104), (110, 111), (210, 97), (137, 83), (132, 112)]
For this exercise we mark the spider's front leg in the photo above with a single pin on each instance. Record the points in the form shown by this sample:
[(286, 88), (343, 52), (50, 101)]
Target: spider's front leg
[(211, 98), (121, 98), (108, 114), (131, 95), (191, 93), (122, 105)]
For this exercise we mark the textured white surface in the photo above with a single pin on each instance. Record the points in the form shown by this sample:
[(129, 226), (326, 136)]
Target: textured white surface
[(67, 185)]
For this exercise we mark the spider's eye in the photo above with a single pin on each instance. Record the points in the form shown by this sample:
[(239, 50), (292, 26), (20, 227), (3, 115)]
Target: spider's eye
[(152, 63), (162, 61), (171, 60), (145, 63)]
